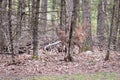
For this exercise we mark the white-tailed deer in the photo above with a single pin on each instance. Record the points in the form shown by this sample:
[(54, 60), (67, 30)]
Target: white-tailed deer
[(78, 38), (62, 36), (80, 35)]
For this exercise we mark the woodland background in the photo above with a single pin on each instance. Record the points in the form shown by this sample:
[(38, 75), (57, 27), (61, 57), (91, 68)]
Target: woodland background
[(38, 28)]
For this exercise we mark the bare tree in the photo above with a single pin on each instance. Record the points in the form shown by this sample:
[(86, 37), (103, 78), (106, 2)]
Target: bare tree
[(115, 24), (10, 29), (43, 15), (1, 36), (118, 24), (4, 28), (35, 17), (114, 28), (86, 18), (18, 26), (110, 35), (72, 26), (101, 22), (69, 10), (63, 15), (53, 14)]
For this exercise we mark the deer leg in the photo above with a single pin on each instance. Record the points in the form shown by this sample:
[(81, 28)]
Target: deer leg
[(79, 48)]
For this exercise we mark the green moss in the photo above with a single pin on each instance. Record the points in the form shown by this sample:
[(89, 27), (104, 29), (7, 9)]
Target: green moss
[(95, 76), (35, 57), (85, 48)]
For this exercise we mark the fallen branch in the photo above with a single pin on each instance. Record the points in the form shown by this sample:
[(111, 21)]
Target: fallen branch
[(51, 44)]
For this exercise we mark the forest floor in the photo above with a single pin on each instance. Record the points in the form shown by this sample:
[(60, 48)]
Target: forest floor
[(52, 63)]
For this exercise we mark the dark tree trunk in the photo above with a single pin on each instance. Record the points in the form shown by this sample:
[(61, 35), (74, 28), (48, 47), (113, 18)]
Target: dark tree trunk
[(63, 15), (4, 28), (72, 26), (19, 26), (101, 23), (86, 19), (115, 24), (43, 15), (35, 29), (118, 24), (1, 36), (10, 29), (19, 17), (110, 35), (69, 10), (53, 15)]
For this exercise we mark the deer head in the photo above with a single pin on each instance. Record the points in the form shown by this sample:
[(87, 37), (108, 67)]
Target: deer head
[(61, 34), (62, 37), (80, 33)]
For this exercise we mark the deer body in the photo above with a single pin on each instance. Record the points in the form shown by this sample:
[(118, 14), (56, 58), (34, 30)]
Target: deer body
[(62, 37), (78, 38)]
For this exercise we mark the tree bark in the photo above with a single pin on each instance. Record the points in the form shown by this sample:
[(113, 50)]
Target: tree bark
[(63, 15), (72, 26), (4, 27), (110, 35), (86, 19), (35, 29), (115, 24), (118, 24), (10, 29), (69, 10), (53, 15), (1, 36), (18, 26), (101, 23), (43, 15)]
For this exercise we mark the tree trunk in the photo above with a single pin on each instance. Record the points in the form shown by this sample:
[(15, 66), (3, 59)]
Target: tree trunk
[(19, 26), (19, 17), (63, 15), (43, 15), (1, 36), (72, 26), (118, 24), (4, 28), (110, 35), (115, 24), (69, 9), (101, 23), (53, 15), (86, 19), (35, 28), (10, 29)]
